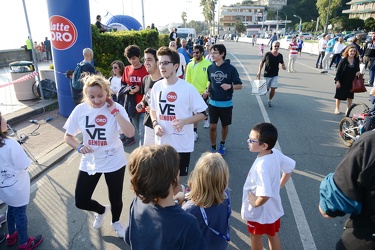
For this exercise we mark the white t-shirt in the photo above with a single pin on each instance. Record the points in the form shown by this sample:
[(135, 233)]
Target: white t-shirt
[(100, 131), (176, 101), (115, 84), (321, 44), (15, 179), (263, 179), (182, 63), (338, 48)]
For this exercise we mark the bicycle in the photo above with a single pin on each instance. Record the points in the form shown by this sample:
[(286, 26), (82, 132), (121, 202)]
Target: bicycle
[(350, 127)]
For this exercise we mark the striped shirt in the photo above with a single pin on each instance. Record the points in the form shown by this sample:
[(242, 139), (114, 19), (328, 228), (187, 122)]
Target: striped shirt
[(293, 48)]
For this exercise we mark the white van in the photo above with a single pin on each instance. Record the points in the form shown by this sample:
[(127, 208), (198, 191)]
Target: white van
[(184, 33)]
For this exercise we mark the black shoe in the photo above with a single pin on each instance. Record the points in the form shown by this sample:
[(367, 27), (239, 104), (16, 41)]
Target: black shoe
[(321, 67), (322, 72), (316, 66), (129, 141)]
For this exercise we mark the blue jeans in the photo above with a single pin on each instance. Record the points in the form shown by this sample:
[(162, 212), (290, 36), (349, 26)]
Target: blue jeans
[(17, 221), (137, 121), (372, 73)]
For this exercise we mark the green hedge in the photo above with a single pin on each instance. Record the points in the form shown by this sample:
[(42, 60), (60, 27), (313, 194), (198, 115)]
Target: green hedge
[(110, 46)]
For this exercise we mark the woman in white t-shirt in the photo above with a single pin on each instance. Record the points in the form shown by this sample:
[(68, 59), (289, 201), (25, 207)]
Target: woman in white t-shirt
[(115, 80), (15, 190), (337, 49), (100, 120)]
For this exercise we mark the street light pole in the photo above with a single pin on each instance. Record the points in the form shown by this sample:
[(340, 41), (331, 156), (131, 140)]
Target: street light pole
[(286, 18), (326, 27), (300, 23)]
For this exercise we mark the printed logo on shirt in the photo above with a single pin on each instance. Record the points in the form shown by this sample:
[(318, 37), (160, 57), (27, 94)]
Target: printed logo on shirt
[(166, 106), (135, 79), (204, 69), (97, 135), (101, 120), (171, 96), (219, 76)]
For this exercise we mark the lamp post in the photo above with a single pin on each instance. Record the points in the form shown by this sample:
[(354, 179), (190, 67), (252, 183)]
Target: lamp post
[(286, 18), (300, 23), (326, 27)]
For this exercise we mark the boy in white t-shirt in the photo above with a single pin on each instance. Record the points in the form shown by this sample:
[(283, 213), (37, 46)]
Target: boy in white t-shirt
[(261, 201), (175, 106)]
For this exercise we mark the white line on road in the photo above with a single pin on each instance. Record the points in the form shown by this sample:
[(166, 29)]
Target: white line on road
[(298, 213)]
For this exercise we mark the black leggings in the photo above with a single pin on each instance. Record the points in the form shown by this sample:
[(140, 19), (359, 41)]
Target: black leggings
[(334, 58), (85, 188)]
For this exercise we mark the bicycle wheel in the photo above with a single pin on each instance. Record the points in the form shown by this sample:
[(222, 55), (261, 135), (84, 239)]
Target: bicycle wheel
[(348, 131), (357, 108)]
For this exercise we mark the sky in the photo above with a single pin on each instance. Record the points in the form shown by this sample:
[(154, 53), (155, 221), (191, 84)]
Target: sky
[(159, 12)]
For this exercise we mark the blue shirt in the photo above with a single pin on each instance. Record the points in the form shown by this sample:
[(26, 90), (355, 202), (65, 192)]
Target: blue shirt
[(330, 45), (183, 51)]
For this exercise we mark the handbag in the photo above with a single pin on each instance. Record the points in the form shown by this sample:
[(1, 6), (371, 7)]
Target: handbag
[(358, 84), (259, 87)]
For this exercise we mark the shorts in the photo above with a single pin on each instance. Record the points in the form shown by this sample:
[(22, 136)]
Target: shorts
[(184, 163), (269, 229), (272, 82), (299, 49), (225, 115)]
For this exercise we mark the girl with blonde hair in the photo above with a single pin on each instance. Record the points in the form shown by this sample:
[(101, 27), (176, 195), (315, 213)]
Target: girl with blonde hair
[(208, 199), (100, 120)]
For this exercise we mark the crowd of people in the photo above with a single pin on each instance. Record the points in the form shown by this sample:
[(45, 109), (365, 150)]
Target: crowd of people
[(160, 102), (43, 50)]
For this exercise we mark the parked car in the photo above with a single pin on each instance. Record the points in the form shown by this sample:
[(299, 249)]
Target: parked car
[(286, 38), (347, 36), (361, 36), (307, 36)]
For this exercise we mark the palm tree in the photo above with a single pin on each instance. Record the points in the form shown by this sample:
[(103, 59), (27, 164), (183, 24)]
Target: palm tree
[(184, 18), (209, 10)]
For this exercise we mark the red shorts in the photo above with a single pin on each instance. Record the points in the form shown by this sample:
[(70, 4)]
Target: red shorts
[(270, 229)]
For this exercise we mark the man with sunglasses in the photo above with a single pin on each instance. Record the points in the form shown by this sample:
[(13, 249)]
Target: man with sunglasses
[(271, 60), (196, 74)]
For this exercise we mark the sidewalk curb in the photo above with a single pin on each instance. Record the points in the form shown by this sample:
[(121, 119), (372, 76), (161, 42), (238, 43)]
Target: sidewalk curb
[(50, 159), (28, 112)]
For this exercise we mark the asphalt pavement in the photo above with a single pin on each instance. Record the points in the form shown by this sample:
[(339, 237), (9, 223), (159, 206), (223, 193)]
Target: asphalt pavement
[(303, 112)]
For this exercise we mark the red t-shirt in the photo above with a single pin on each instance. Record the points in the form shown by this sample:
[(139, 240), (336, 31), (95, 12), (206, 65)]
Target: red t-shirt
[(132, 77)]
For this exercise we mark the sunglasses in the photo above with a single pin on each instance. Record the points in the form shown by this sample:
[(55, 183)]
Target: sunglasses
[(276, 46), (196, 52), (114, 67), (253, 141)]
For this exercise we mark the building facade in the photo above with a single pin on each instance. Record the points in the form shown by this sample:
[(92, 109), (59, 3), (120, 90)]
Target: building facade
[(271, 4), (362, 9)]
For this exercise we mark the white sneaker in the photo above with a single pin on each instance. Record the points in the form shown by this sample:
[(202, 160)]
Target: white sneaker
[(206, 123), (99, 218), (195, 136), (119, 229)]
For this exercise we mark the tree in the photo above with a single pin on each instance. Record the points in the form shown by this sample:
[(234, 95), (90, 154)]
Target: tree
[(335, 9), (184, 17), (306, 9), (208, 10), (240, 27), (370, 23)]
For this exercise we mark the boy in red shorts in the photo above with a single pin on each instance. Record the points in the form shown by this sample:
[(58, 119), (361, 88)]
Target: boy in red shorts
[(261, 201)]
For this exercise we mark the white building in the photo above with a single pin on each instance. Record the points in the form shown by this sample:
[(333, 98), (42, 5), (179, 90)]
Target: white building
[(272, 4), (362, 9)]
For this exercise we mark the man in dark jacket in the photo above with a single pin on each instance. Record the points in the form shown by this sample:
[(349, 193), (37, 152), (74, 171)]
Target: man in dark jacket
[(223, 79), (351, 190), (369, 58)]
